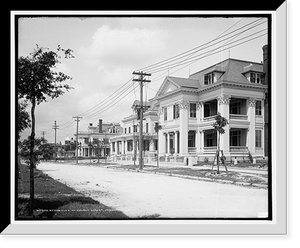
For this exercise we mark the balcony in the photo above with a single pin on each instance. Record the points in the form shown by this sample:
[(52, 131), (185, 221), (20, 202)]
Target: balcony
[(239, 149), (192, 149), (209, 118), (238, 117), (209, 149)]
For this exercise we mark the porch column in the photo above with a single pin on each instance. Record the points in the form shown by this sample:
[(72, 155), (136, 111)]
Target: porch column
[(176, 142), (202, 141), (168, 143), (199, 112), (251, 118), (183, 128), (125, 146), (122, 146), (223, 102)]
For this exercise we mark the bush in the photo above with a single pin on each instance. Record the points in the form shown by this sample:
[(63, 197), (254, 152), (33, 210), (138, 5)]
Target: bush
[(250, 157)]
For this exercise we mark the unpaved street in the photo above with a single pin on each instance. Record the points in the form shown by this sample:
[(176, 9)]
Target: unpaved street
[(141, 194)]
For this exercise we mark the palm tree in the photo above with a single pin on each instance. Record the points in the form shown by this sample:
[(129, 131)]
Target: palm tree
[(219, 125)]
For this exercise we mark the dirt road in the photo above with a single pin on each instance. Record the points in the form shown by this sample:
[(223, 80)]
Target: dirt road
[(140, 194)]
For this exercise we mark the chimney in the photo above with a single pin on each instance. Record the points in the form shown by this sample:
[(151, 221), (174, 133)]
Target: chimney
[(265, 63), (100, 125)]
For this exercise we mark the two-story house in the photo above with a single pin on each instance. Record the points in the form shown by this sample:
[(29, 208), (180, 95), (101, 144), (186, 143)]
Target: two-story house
[(126, 146), (188, 106), (95, 140)]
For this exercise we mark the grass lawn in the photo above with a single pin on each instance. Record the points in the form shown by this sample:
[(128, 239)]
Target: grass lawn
[(55, 200), (205, 173)]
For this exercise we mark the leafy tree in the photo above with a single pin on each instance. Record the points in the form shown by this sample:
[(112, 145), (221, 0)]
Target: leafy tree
[(38, 79), (25, 151), (219, 125), (22, 117)]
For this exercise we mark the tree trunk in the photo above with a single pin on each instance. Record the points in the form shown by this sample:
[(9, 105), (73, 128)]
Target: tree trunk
[(32, 162)]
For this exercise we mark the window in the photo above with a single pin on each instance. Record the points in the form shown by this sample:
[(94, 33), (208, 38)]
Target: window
[(134, 128), (211, 139), (165, 114), (235, 138), (147, 127), (209, 78), (258, 108), (129, 145), (235, 107), (125, 130), (129, 130), (258, 138), (175, 111), (256, 77), (206, 109), (191, 139), (252, 77), (193, 110)]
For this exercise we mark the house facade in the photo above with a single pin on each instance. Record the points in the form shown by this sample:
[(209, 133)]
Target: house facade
[(187, 108), (125, 147), (94, 141)]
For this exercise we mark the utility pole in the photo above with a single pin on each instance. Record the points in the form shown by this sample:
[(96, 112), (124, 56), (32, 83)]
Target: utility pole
[(77, 120), (43, 133), (55, 127), (141, 109)]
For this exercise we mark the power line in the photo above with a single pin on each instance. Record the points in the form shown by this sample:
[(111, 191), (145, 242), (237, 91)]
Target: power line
[(205, 44), (115, 92), (208, 53), (112, 104), (220, 41)]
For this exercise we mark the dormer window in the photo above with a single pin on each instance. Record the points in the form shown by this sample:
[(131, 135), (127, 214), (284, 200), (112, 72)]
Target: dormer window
[(255, 77), (209, 78)]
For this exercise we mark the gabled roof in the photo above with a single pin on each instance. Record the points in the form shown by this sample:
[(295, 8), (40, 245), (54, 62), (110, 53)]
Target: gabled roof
[(185, 82), (176, 83), (231, 71)]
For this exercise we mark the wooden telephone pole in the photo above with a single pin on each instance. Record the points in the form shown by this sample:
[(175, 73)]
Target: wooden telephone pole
[(77, 120), (55, 127), (140, 110)]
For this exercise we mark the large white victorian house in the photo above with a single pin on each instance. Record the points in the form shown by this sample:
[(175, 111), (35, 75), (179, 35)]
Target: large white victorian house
[(188, 106)]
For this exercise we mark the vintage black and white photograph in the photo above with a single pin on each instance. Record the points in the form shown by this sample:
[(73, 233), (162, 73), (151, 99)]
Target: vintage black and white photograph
[(132, 117)]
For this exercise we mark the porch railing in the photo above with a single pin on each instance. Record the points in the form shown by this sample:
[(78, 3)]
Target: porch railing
[(209, 149), (209, 118), (192, 149), (238, 117), (239, 149)]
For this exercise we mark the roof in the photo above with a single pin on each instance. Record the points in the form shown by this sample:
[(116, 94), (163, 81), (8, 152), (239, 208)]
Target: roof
[(232, 71), (185, 82)]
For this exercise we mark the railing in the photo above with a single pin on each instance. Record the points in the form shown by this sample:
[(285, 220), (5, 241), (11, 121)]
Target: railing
[(209, 149), (238, 117), (192, 149), (209, 118), (239, 149)]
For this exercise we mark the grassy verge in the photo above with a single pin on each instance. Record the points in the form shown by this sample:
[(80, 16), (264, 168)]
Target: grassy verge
[(55, 200), (204, 173)]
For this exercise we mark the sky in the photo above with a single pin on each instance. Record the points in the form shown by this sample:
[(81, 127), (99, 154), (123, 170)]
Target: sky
[(108, 49)]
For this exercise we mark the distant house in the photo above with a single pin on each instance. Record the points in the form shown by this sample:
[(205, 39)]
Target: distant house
[(125, 146), (95, 140)]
